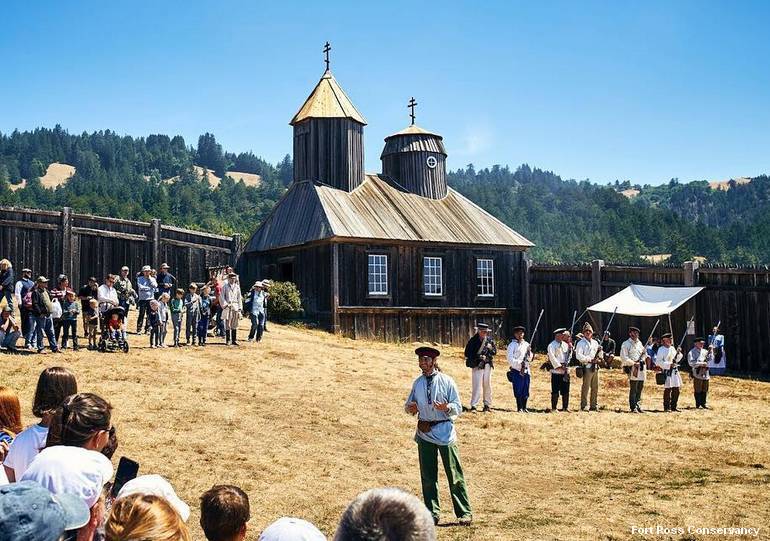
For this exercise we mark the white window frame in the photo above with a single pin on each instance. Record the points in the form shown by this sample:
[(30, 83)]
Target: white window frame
[(377, 275), (485, 277), (433, 269)]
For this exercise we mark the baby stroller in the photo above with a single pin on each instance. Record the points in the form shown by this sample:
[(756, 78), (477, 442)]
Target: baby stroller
[(110, 339)]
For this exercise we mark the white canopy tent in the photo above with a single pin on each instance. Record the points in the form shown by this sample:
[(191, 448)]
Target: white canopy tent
[(646, 301)]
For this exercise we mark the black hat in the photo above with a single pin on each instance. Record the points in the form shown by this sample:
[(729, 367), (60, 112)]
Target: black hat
[(482, 326), (518, 328), (634, 329), (667, 335), (699, 339), (427, 351), (560, 330)]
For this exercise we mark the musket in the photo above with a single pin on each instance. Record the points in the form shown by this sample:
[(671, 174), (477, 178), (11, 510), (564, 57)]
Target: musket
[(485, 348), (638, 363), (675, 365), (531, 339), (606, 330)]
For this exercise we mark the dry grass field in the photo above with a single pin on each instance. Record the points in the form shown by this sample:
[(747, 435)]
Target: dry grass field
[(306, 420)]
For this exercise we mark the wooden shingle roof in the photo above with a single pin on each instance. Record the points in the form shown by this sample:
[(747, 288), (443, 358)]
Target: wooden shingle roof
[(378, 210), (328, 100)]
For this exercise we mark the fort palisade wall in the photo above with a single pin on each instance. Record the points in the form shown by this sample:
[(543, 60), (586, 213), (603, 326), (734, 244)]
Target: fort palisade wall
[(80, 245), (739, 297)]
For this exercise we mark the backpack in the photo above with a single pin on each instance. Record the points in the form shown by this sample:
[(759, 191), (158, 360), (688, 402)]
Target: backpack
[(26, 301)]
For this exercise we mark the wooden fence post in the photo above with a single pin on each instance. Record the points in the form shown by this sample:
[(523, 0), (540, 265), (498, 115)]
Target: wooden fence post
[(155, 237), (690, 279), (526, 297), (66, 243), (235, 250), (596, 287)]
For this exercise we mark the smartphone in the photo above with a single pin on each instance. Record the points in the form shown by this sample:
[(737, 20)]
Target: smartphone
[(127, 470)]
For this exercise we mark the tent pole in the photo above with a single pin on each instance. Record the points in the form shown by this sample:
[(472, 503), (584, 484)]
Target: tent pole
[(670, 327)]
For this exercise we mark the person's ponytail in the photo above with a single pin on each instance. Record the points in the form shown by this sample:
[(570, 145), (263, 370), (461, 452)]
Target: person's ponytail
[(77, 419)]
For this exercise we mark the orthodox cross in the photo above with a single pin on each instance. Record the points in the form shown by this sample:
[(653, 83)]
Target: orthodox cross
[(327, 48), (411, 106)]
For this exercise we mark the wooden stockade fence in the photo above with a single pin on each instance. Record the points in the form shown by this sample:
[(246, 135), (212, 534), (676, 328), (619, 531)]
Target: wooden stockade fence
[(81, 245), (739, 297)]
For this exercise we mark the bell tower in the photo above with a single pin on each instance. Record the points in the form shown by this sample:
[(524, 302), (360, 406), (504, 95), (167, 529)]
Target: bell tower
[(329, 136), (416, 159)]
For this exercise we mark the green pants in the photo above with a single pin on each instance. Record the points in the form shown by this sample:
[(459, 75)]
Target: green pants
[(450, 457)]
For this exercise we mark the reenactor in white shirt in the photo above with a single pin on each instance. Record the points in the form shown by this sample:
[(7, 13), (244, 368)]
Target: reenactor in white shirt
[(633, 356), (559, 353), (667, 360), (585, 352), (698, 358), (519, 357)]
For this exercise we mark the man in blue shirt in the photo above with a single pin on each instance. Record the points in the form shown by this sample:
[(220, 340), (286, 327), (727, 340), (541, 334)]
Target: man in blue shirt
[(165, 281), (436, 402)]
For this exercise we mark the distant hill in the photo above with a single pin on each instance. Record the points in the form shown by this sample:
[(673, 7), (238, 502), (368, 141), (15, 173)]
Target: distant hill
[(160, 176), (140, 178)]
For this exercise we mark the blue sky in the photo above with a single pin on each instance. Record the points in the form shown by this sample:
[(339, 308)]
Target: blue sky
[(644, 91)]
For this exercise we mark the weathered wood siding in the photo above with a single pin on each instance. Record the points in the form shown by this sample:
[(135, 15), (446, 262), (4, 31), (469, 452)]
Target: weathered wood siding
[(80, 245), (329, 150), (410, 170), (311, 273)]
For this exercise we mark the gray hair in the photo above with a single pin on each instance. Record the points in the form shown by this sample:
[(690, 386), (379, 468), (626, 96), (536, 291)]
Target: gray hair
[(386, 514)]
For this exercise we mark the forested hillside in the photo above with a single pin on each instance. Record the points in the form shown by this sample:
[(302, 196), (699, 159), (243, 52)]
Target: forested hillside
[(126, 177), (153, 176)]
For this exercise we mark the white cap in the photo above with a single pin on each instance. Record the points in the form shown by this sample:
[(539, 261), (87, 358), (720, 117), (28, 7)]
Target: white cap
[(291, 529), (65, 469), (155, 485)]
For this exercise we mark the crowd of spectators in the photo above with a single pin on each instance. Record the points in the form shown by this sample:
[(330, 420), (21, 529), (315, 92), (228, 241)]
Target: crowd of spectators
[(51, 314), (57, 484)]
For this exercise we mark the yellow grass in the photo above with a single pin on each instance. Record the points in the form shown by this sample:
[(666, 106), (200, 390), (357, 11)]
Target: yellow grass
[(250, 179), (724, 185), (56, 175), (306, 420)]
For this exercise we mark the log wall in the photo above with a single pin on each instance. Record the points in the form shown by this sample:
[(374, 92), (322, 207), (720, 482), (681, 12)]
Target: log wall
[(81, 245)]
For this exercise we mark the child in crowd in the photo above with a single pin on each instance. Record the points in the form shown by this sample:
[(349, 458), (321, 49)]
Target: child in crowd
[(192, 304), (69, 319), (153, 320), (72, 461), (205, 311), (53, 386), (92, 322), (115, 327), (164, 317), (224, 513), (176, 306)]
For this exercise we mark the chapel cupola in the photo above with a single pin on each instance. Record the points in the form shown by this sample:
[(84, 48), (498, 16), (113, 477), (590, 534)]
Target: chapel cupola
[(416, 159), (329, 136)]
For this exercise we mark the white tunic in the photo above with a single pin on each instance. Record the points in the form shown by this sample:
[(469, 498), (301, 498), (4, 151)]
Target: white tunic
[(698, 359), (517, 353), (558, 354), (668, 359), (630, 353), (586, 350)]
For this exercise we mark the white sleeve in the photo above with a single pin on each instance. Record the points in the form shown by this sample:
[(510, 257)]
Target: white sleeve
[(625, 354), (17, 293), (555, 354)]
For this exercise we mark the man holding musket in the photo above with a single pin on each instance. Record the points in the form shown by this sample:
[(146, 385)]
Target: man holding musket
[(519, 359), (585, 352), (633, 356), (480, 352), (667, 360), (436, 402), (698, 359), (559, 353)]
